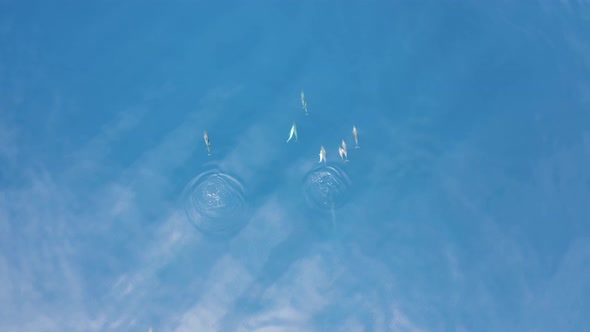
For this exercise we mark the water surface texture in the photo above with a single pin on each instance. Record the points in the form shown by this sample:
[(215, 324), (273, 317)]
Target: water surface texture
[(466, 206)]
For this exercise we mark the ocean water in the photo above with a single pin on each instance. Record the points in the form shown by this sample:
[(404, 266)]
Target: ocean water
[(466, 206)]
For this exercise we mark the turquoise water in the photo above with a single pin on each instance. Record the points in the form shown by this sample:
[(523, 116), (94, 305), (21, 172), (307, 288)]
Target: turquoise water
[(465, 208)]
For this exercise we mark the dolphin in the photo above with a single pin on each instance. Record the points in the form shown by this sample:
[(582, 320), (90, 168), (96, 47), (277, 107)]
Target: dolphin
[(207, 142), (343, 151), (304, 102), (293, 132), (356, 137), (322, 154)]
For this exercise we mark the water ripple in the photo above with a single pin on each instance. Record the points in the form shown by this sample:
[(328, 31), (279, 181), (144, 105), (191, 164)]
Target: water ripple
[(215, 204), (326, 188)]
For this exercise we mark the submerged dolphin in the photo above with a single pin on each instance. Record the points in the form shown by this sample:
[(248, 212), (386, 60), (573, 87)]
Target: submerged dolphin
[(322, 154), (356, 137), (207, 142), (304, 102), (293, 132)]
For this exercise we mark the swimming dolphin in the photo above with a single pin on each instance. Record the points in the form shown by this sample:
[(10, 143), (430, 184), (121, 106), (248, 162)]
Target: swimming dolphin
[(322, 154), (356, 137), (304, 102), (343, 151), (293, 132), (207, 142)]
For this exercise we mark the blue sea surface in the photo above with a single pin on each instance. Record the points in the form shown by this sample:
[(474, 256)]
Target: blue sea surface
[(465, 207)]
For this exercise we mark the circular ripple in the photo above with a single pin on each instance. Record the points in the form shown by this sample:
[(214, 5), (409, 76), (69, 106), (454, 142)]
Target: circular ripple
[(326, 188), (215, 203)]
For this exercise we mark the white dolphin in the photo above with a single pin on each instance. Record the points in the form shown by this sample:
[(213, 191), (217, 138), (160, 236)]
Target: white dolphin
[(304, 102), (343, 151), (356, 137), (293, 132), (207, 142), (322, 154)]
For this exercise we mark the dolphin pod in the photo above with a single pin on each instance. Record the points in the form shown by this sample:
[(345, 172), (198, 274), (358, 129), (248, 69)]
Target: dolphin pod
[(342, 149)]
